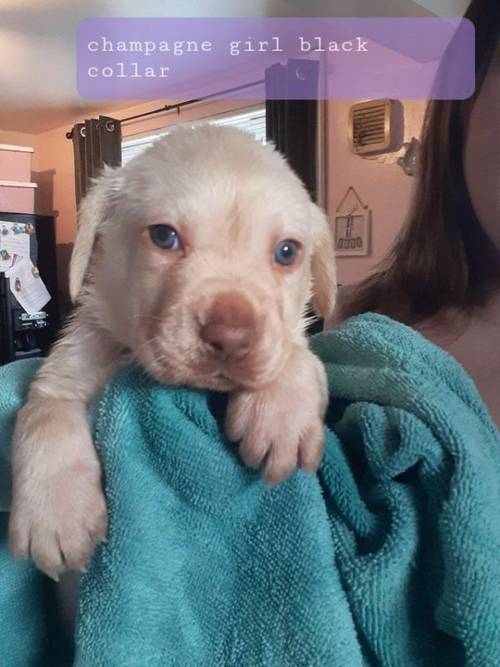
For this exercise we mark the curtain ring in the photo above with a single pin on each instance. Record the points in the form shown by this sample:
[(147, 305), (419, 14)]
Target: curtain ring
[(300, 73), (82, 131), (110, 126)]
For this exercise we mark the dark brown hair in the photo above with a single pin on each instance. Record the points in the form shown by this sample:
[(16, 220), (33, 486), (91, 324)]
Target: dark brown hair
[(442, 258)]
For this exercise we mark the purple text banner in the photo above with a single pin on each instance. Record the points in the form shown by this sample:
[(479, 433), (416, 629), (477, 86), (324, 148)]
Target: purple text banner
[(275, 58)]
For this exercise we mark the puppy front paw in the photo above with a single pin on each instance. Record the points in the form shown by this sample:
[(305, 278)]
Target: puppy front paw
[(281, 427), (58, 512)]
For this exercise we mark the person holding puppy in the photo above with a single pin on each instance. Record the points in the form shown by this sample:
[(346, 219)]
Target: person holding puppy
[(442, 276)]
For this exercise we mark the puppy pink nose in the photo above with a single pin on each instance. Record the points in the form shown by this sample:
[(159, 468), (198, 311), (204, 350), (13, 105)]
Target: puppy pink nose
[(233, 341), (230, 327)]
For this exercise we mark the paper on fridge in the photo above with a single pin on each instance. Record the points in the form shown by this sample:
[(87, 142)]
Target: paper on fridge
[(27, 286), (14, 238), (6, 261)]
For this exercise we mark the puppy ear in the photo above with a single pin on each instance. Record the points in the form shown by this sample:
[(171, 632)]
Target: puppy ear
[(93, 211), (324, 276)]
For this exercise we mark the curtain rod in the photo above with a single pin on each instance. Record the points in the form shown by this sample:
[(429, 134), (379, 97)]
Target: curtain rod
[(169, 107)]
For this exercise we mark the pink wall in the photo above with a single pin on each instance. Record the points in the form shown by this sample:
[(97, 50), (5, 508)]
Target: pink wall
[(380, 183)]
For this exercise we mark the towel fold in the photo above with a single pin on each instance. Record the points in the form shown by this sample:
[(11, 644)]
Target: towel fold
[(389, 556)]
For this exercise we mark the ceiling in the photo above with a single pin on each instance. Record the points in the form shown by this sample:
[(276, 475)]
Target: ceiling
[(37, 41)]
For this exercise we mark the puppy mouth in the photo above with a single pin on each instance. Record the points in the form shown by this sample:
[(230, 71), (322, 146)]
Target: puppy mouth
[(220, 382), (202, 369), (224, 376), (234, 375), (216, 375)]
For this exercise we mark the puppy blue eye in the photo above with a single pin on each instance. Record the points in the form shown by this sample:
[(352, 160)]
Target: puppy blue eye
[(286, 252), (165, 237)]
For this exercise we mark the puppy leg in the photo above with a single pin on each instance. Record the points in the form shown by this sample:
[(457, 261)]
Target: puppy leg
[(58, 511), (281, 426)]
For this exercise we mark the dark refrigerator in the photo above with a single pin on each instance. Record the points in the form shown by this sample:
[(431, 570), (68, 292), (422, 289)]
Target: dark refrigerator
[(24, 335)]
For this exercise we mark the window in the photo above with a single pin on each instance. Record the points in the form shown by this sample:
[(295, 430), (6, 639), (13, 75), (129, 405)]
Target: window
[(253, 121)]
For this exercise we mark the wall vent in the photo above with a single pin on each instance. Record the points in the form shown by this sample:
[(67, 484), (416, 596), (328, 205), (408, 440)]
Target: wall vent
[(376, 126)]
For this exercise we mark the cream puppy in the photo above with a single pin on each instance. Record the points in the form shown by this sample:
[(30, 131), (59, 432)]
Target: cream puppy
[(196, 259)]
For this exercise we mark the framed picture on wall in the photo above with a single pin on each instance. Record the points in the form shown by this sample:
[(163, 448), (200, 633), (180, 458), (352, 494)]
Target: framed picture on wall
[(352, 233)]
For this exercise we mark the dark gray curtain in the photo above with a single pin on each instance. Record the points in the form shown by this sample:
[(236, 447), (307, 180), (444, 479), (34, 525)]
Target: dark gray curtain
[(96, 142), (292, 123)]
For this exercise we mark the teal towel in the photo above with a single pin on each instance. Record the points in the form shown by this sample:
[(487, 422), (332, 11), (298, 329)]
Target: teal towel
[(29, 632), (389, 556)]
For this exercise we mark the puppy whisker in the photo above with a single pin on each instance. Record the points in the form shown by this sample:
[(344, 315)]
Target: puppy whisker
[(143, 317), (146, 343)]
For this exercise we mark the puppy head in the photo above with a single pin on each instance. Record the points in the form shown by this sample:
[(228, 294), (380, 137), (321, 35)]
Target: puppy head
[(204, 251)]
